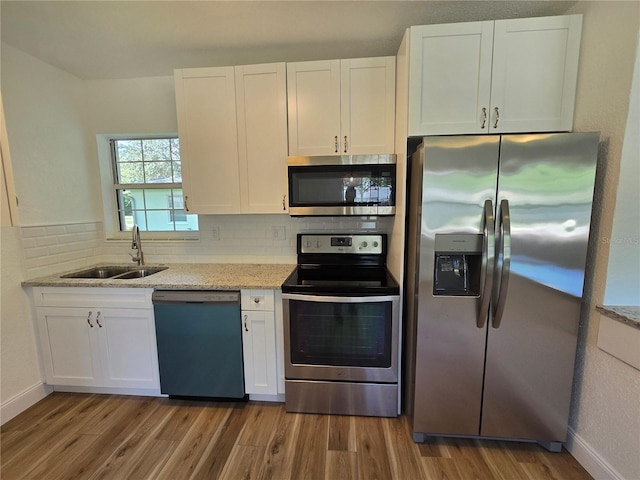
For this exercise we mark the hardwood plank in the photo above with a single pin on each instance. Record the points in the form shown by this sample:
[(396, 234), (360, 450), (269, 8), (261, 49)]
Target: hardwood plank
[(218, 450), (151, 459), (373, 461), (342, 465), (342, 433), (262, 418), (129, 411), (244, 463), (45, 410), (188, 452), (184, 413), (310, 455), (57, 460), (433, 447), (80, 436), (280, 451), (134, 446), (437, 468), (403, 452), (499, 461), (469, 451), (45, 432)]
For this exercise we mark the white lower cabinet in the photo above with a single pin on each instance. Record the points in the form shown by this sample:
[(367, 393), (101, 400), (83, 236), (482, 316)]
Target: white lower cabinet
[(259, 342), (97, 337)]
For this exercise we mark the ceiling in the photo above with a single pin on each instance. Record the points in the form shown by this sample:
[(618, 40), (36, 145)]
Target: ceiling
[(138, 38)]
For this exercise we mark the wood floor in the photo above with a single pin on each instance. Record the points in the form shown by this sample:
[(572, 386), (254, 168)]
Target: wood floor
[(82, 436)]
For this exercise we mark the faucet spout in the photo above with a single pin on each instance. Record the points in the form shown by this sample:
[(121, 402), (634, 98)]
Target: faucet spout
[(136, 244)]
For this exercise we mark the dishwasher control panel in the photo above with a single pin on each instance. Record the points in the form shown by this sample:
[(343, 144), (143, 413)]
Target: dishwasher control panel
[(195, 296)]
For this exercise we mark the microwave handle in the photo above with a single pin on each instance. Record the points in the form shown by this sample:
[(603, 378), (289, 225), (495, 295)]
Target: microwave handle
[(334, 299)]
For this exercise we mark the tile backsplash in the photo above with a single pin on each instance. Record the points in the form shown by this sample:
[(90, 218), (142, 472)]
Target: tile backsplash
[(223, 239)]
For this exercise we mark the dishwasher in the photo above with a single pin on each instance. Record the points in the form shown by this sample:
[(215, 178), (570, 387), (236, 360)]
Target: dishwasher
[(199, 337)]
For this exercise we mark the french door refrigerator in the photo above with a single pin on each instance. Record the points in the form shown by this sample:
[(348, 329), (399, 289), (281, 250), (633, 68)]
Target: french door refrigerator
[(498, 228)]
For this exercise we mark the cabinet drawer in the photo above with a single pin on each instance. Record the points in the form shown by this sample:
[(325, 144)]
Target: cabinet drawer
[(257, 300), (92, 297)]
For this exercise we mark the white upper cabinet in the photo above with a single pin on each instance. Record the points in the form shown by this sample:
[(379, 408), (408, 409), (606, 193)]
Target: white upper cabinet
[(494, 77), (341, 106), (206, 108), (233, 138), (261, 101)]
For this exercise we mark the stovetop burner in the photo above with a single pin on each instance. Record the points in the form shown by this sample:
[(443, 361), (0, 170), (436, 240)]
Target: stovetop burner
[(341, 265)]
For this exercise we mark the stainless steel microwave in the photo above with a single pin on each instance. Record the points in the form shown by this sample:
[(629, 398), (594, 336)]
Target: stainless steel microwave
[(342, 185)]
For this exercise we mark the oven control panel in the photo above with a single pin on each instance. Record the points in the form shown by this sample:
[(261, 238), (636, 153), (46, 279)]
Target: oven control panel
[(370, 244)]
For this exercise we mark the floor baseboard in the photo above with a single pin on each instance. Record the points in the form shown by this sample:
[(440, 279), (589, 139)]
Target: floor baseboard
[(19, 403), (590, 459)]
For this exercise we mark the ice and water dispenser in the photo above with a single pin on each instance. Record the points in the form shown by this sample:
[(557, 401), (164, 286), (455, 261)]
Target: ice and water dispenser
[(458, 263)]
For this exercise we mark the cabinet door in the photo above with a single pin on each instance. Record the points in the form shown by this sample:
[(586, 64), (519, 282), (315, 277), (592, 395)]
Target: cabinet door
[(535, 68), (68, 337), (127, 345), (450, 78), (368, 94), (313, 99), (259, 352), (206, 108), (261, 100)]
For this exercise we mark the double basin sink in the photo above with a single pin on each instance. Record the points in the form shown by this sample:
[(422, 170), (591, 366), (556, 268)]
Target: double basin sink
[(115, 273)]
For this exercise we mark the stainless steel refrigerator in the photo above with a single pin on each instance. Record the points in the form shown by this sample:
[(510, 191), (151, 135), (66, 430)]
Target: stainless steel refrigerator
[(498, 228)]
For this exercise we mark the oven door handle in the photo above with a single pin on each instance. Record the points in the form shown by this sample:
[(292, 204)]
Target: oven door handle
[(334, 299)]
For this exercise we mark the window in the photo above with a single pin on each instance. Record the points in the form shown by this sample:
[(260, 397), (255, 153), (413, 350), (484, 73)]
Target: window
[(148, 185)]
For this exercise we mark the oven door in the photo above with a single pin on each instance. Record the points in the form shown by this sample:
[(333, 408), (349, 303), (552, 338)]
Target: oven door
[(340, 338)]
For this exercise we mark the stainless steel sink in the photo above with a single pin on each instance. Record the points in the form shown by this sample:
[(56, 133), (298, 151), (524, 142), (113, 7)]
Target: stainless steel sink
[(115, 272), (140, 272)]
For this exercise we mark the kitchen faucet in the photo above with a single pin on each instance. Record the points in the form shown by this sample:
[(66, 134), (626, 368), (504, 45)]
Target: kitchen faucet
[(136, 244)]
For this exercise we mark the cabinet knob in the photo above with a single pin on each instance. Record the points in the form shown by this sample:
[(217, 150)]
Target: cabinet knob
[(497, 112), (89, 319), (256, 299)]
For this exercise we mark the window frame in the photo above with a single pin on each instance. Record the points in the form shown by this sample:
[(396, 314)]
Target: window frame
[(109, 190)]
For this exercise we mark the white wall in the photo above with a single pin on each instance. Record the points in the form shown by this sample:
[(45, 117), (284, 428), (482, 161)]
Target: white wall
[(46, 116), (605, 416)]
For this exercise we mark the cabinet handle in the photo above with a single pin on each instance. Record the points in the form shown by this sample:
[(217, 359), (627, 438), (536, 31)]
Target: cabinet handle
[(98, 319), (89, 319), (284, 205), (345, 144), (495, 125), (246, 329), (256, 300), (484, 117), (335, 141), (186, 205)]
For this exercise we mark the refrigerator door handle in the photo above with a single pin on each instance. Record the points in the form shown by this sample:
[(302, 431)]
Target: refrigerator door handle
[(503, 258), (486, 273)]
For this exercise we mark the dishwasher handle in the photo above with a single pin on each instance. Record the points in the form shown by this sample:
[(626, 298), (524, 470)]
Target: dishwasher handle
[(160, 297)]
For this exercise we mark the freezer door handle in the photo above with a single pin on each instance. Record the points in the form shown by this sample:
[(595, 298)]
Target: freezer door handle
[(503, 263), (486, 273)]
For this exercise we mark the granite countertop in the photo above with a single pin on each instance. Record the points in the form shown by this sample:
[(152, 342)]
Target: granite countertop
[(629, 314), (184, 276)]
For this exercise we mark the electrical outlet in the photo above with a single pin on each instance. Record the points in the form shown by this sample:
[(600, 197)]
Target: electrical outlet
[(215, 233), (278, 233)]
